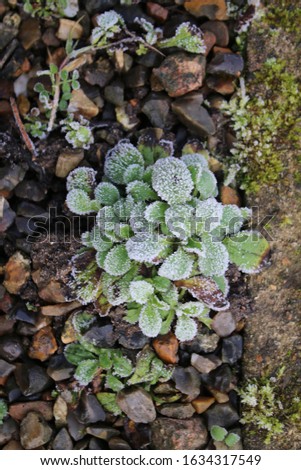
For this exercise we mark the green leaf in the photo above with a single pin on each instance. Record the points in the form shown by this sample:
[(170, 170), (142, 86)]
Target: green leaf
[(119, 159), (113, 383), (222, 283), (161, 284), (147, 248), (100, 258), (3, 410), (82, 321), (232, 219), (150, 321), (63, 105), (214, 259), (132, 315), (149, 369), (218, 433), (166, 324), (186, 328), (107, 194), (105, 358), (141, 291), (133, 173), (141, 191), (39, 87), (232, 439), (177, 266), (248, 250), (153, 149), (81, 178), (86, 371), (208, 215), (64, 76), (108, 401), (171, 297), (75, 353), (172, 180), (207, 184), (117, 261), (179, 220), (155, 212), (99, 242), (79, 202), (122, 366), (53, 68)]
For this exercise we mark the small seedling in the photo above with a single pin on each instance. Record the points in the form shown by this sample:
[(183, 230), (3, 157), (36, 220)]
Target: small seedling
[(221, 434)]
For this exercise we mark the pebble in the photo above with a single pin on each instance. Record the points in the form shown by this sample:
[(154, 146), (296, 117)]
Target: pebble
[(7, 34), (49, 38), (102, 431), (230, 196), (97, 444), (114, 93), (190, 112), (8, 431), (188, 381), (13, 445), (99, 73), (67, 161), (209, 41), (156, 11), (101, 336), (226, 64), (60, 309), (31, 380), (223, 323), (179, 434), (89, 410), (157, 108), (69, 29), (53, 292), (60, 412), (203, 364), (221, 414), (62, 441), (5, 369), (76, 429), (219, 29), (30, 189), (166, 347), (30, 32), (9, 178), (137, 404), (212, 9), (59, 368), (126, 115), (201, 404), (43, 345), (222, 85), (181, 73), (137, 76), (99, 6), (220, 397), (116, 443), (7, 215), (10, 348), (18, 411), (232, 349), (177, 410), (219, 379), (34, 431), (80, 104)]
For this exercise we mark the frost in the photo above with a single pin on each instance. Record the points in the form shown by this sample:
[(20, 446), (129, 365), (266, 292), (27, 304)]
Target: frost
[(222, 283), (193, 246), (86, 371), (99, 242), (141, 191), (171, 297), (150, 321), (178, 219), (100, 259), (106, 220), (186, 328), (141, 291), (106, 194), (207, 184), (172, 181), (208, 215), (214, 259), (133, 173), (188, 37), (232, 219), (119, 159), (155, 212), (192, 309), (108, 24), (124, 207), (195, 159), (177, 266), (146, 248), (78, 201), (117, 292), (117, 261), (78, 133), (81, 178)]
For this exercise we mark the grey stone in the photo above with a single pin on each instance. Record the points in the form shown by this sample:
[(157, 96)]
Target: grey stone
[(232, 349), (137, 404), (62, 441), (177, 410), (226, 64), (190, 112), (31, 379), (34, 431), (187, 381), (6, 368), (10, 348), (221, 414), (179, 434), (203, 364), (101, 336), (223, 323), (90, 410)]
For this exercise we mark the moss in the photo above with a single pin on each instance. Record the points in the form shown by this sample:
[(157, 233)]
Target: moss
[(267, 125), (285, 15)]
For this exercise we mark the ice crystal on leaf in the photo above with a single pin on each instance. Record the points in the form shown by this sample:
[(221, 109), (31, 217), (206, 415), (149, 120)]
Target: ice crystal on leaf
[(109, 24), (133, 173), (106, 194), (195, 159), (81, 178), (78, 133), (214, 259), (78, 201), (119, 159), (150, 321), (172, 181), (186, 328), (117, 261), (177, 266), (146, 248), (155, 212), (179, 219), (208, 215), (141, 291), (188, 37)]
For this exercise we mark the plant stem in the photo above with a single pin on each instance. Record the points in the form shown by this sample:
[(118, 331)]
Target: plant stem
[(55, 103), (28, 142)]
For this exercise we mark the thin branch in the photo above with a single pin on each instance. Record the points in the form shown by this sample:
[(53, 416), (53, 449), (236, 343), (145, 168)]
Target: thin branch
[(27, 140), (55, 103)]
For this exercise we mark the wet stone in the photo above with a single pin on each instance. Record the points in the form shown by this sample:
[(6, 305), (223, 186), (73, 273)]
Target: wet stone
[(7, 215), (219, 29), (32, 380), (114, 93), (232, 349), (203, 364), (89, 410), (138, 435), (223, 323), (178, 434), (166, 347), (157, 108), (177, 410), (62, 441), (212, 9), (219, 379), (10, 348), (99, 6), (190, 112), (181, 73), (49, 38), (188, 381), (116, 443), (13, 445), (8, 431), (59, 368), (150, 59), (34, 431), (224, 415), (101, 336), (226, 64), (137, 404)]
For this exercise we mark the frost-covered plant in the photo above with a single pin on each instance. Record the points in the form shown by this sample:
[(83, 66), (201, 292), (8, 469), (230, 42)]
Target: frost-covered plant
[(34, 125), (45, 8), (162, 242), (78, 133), (188, 37), (3, 410), (109, 24), (221, 434)]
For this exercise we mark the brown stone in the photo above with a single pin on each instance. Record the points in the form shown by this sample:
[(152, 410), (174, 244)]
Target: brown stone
[(166, 348), (18, 411), (212, 9), (220, 397), (223, 50), (230, 196), (181, 73), (30, 32), (69, 334), (17, 273), (80, 104), (204, 364), (220, 30), (52, 292), (34, 431), (179, 434), (69, 29), (67, 161), (60, 309), (209, 41), (202, 404), (157, 12), (13, 445), (23, 105), (43, 344), (60, 412), (222, 85)]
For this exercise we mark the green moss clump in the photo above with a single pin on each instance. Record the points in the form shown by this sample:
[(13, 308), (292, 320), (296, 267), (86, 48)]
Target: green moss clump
[(266, 124), (284, 15)]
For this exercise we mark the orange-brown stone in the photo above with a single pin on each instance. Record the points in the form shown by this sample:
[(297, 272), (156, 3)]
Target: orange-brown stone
[(43, 344), (202, 404), (230, 196), (18, 411), (166, 347), (212, 9)]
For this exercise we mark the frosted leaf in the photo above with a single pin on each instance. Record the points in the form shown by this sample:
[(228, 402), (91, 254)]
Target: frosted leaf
[(150, 321), (81, 178), (146, 248), (172, 180), (148, 174), (188, 37), (123, 231), (86, 371), (116, 291), (82, 321), (186, 328), (177, 266), (207, 185), (117, 261), (195, 159), (137, 221), (86, 239), (222, 283), (206, 290), (162, 284), (106, 220), (232, 219), (108, 24), (141, 191), (214, 259), (100, 258), (153, 149), (99, 242), (141, 291), (133, 173), (155, 212), (246, 212), (106, 194), (124, 207), (196, 310), (171, 296), (179, 220), (208, 215), (193, 246), (119, 159), (78, 201)]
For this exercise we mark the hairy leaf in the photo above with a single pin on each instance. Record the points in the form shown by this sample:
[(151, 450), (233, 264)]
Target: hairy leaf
[(206, 290), (172, 181)]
